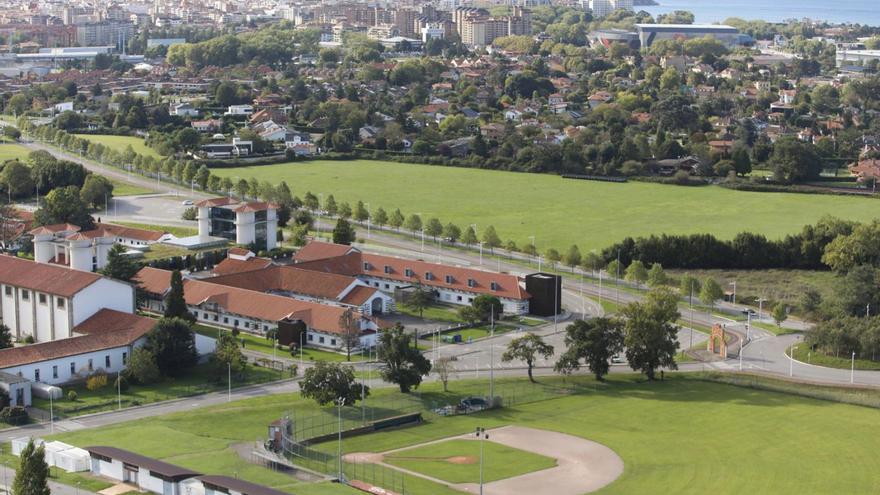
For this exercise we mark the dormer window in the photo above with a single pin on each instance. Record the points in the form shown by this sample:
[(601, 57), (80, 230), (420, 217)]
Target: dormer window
[(449, 279), (429, 276), (387, 269), (408, 272), (493, 285), (472, 283), (366, 266)]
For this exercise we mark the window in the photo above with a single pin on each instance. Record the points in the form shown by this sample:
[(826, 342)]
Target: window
[(429, 276), (91, 366), (333, 342), (472, 283), (247, 325), (235, 323), (42, 298), (366, 266), (387, 269), (106, 361), (25, 295), (408, 272), (225, 320), (36, 375), (72, 369), (320, 340), (387, 286), (493, 286), (59, 302), (124, 358), (311, 337), (205, 315), (7, 290), (54, 371), (265, 328), (459, 297), (449, 279), (216, 317)]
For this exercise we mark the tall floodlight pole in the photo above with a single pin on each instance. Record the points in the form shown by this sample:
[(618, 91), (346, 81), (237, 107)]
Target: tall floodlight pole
[(852, 369), (339, 403), (482, 434), (491, 353)]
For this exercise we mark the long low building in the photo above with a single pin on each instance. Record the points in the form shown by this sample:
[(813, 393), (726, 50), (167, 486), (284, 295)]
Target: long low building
[(450, 284), (257, 312), (728, 35), (46, 301)]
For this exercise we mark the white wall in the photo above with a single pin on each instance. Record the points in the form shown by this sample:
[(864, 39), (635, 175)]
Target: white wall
[(449, 296), (104, 293), (80, 363)]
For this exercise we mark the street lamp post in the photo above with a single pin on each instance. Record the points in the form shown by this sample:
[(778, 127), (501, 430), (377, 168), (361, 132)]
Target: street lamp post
[(482, 434), (229, 382), (791, 360), (536, 250), (369, 219), (760, 307), (852, 368), (302, 363), (491, 353), (481, 253), (339, 403), (734, 291)]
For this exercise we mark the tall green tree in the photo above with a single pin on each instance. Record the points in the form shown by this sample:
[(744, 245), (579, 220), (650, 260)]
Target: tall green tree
[(656, 276), (651, 334), (360, 212), (175, 302), (5, 337), (711, 292), (688, 286), (572, 257), (402, 363), (636, 272), (32, 475), (470, 237), (413, 223), (343, 232), (327, 382), (173, 343), (119, 265), (380, 218), (594, 341), (227, 356), (396, 219), (527, 348), (491, 239), (142, 367), (420, 299), (433, 228), (451, 232), (64, 205), (779, 314)]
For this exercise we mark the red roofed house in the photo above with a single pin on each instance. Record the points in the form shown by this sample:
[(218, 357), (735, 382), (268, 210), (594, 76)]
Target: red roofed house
[(450, 284), (86, 250), (866, 170), (254, 223), (257, 312)]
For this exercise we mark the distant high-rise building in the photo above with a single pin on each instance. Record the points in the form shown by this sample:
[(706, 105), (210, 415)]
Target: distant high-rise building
[(477, 28), (602, 8), (106, 33)]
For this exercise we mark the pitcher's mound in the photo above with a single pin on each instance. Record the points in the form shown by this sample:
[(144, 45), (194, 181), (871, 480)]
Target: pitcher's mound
[(462, 459)]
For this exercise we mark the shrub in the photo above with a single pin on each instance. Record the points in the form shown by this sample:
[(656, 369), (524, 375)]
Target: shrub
[(121, 383), (190, 213), (72, 396), (96, 381), (29, 339), (14, 415)]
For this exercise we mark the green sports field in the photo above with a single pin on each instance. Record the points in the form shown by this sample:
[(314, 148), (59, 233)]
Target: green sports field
[(120, 143), (557, 211), (677, 436), (11, 151)]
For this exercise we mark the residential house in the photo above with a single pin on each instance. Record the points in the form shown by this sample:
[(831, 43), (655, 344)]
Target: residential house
[(238, 110), (210, 125), (184, 110)]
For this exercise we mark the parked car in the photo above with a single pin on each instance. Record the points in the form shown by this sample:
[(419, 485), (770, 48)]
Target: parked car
[(187, 202)]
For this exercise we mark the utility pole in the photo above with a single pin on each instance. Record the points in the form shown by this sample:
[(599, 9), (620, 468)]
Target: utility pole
[(482, 435), (491, 353), (229, 382), (852, 369), (339, 403)]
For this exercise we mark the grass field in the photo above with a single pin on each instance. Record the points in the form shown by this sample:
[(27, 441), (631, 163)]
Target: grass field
[(120, 143), (677, 436), (124, 189), (558, 212), (457, 461), (804, 354), (777, 285), (264, 346), (11, 151), (177, 231)]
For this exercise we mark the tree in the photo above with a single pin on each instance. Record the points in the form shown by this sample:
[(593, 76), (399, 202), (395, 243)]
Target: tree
[(96, 191), (11, 132), (794, 161), (553, 256), (413, 223), (572, 257), (402, 362), (636, 272), (595, 341), (711, 292), (527, 348), (487, 306), (491, 239), (444, 368), (688, 287), (5, 337), (203, 178), (380, 218), (327, 382), (434, 228), (420, 299), (310, 201), (360, 212), (656, 276), (451, 232), (32, 475), (227, 357), (396, 219), (859, 289), (142, 367), (330, 206), (175, 303), (651, 334), (343, 232), (64, 205), (119, 265), (16, 179), (173, 343), (349, 323), (470, 237), (779, 314), (613, 268)]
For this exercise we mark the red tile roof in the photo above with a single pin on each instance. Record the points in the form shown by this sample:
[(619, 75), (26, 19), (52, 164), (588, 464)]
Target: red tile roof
[(248, 303), (216, 202), (317, 250), (54, 229), (230, 266), (254, 206), (373, 265), (51, 279), (359, 295), (106, 329), (290, 279), (129, 232)]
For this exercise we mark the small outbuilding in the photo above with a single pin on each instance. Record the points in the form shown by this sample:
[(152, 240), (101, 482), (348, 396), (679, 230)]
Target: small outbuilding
[(144, 472)]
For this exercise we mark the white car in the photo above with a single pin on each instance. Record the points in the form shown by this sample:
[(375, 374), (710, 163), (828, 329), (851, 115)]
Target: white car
[(188, 202)]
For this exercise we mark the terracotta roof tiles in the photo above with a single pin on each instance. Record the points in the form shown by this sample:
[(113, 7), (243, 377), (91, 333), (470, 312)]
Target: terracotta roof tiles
[(51, 279)]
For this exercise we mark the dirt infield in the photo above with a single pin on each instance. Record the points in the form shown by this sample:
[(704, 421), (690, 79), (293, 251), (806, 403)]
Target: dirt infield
[(582, 466)]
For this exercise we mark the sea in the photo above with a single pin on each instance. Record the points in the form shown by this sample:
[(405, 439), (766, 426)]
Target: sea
[(865, 12)]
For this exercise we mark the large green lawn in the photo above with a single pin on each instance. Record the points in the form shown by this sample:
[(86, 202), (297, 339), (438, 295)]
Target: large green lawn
[(557, 211), (11, 151), (677, 436), (120, 143), (457, 461)]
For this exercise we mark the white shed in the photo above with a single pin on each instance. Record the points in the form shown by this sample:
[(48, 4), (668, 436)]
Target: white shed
[(18, 444), (53, 448), (73, 460)]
